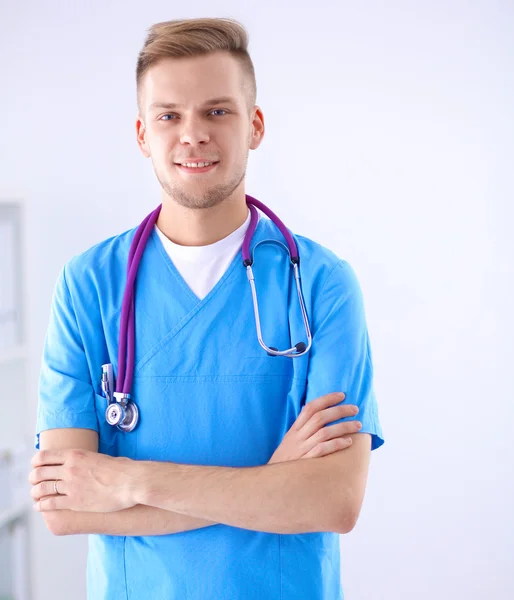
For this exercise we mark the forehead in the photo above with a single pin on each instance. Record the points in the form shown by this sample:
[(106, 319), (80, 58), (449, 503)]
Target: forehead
[(191, 81)]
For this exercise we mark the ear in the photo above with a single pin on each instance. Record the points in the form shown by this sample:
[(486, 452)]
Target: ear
[(141, 137), (257, 129)]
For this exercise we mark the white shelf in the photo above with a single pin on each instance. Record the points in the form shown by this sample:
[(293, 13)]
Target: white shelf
[(11, 515), (13, 354)]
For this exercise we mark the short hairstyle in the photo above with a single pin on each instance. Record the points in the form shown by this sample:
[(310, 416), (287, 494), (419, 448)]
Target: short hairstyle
[(181, 38)]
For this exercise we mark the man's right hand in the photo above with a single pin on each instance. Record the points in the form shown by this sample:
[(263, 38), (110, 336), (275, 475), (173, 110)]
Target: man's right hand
[(308, 436)]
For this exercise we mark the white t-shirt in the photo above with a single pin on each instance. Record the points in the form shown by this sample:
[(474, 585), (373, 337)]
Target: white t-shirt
[(203, 266)]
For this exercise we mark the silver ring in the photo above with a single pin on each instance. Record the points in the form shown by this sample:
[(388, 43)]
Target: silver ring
[(56, 491)]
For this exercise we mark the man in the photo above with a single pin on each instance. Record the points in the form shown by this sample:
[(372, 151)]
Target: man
[(231, 486)]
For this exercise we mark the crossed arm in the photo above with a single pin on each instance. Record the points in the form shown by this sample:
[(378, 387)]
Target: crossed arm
[(137, 520), (118, 496)]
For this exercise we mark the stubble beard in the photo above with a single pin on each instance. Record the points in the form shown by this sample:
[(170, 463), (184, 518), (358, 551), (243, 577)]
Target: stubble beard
[(208, 198)]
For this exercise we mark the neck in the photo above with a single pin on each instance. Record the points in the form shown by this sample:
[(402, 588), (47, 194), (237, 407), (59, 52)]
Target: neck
[(201, 227)]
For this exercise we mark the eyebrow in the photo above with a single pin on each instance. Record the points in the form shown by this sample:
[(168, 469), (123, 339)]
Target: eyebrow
[(219, 100)]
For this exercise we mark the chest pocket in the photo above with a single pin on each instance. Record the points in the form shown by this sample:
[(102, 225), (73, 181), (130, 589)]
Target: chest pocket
[(207, 392)]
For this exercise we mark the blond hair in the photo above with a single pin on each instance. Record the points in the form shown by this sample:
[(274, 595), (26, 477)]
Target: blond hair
[(182, 38)]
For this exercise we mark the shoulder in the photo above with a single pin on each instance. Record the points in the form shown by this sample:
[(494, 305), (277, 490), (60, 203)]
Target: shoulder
[(317, 261), (107, 257), (321, 269), (324, 266)]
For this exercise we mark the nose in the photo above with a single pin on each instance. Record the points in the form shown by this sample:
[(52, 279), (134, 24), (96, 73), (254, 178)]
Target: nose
[(194, 131)]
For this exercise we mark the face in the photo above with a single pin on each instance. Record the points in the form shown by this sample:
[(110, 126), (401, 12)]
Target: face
[(222, 131)]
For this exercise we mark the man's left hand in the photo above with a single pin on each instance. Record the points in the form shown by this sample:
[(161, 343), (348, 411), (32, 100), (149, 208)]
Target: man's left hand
[(86, 481)]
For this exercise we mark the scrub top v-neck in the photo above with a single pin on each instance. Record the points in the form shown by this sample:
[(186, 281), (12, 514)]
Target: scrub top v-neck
[(209, 395)]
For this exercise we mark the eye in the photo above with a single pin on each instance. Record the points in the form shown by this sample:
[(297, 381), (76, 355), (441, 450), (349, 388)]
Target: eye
[(171, 115)]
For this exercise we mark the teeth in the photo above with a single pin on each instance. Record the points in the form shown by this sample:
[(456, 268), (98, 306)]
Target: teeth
[(196, 164)]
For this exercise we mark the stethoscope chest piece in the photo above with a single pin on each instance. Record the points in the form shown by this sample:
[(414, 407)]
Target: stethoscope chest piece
[(123, 413)]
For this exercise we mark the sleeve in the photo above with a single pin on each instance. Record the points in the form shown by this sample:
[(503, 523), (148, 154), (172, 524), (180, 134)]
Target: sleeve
[(66, 396), (341, 358)]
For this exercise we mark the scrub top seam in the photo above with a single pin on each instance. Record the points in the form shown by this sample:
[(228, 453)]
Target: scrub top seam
[(171, 267), (170, 335), (223, 378), (178, 276), (340, 263), (68, 293), (125, 567), (280, 561), (194, 311)]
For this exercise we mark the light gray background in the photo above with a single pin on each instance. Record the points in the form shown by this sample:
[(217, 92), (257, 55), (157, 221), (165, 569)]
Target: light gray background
[(389, 139)]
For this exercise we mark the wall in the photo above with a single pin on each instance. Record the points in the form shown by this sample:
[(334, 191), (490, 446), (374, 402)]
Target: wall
[(413, 102)]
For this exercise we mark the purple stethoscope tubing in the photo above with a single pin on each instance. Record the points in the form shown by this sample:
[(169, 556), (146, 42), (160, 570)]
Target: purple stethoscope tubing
[(126, 347)]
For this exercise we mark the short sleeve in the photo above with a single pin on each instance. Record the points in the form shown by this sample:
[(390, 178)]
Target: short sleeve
[(66, 395), (340, 356)]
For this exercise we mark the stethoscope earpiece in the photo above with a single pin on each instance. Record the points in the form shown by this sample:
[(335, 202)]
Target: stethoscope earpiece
[(300, 347)]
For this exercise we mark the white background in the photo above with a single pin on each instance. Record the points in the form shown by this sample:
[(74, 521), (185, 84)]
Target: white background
[(389, 139)]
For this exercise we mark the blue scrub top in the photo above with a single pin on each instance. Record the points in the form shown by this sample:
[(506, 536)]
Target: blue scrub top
[(208, 394)]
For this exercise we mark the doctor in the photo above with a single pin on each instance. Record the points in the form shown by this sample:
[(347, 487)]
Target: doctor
[(244, 468)]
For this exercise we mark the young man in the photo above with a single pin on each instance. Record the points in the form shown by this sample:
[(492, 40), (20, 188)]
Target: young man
[(230, 486)]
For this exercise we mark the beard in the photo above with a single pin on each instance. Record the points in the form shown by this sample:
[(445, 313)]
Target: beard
[(203, 199)]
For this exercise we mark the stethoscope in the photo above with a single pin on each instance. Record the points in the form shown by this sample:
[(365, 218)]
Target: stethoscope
[(122, 412)]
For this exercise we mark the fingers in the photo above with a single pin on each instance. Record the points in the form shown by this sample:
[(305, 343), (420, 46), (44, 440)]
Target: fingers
[(335, 434), (318, 405), (309, 431), (46, 488), (48, 457), (329, 447), (45, 474), (52, 503), (339, 429), (320, 419)]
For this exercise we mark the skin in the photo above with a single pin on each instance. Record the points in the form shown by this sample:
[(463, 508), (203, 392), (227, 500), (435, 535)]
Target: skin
[(324, 497), (199, 209), (89, 483), (314, 468)]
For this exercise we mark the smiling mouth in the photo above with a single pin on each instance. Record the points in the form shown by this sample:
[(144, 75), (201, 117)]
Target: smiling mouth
[(196, 169)]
